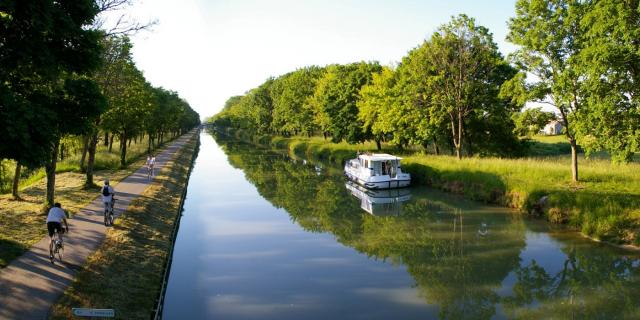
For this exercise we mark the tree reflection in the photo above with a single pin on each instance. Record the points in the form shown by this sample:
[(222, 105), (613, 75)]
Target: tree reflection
[(464, 259)]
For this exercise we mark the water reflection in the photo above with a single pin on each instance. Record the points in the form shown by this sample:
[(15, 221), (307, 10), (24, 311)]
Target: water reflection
[(467, 261), (386, 202)]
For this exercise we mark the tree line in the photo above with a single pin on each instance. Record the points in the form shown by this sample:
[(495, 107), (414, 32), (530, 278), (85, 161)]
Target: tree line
[(455, 93), (62, 75)]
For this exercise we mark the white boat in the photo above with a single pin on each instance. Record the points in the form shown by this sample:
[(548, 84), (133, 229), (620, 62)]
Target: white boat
[(380, 202), (377, 171)]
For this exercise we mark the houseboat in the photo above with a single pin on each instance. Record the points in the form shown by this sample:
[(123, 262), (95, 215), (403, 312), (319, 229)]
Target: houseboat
[(377, 171), (380, 202)]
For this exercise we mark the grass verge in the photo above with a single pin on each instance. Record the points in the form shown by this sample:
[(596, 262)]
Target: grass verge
[(125, 273), (22, 223), (604, 205)]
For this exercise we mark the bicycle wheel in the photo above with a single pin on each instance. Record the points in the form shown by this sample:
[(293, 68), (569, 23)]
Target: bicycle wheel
[(51, 250), (111, 218), (60, 251), (106, 217)]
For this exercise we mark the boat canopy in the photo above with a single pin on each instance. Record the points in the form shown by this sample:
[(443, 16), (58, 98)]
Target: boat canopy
[(375, 157)]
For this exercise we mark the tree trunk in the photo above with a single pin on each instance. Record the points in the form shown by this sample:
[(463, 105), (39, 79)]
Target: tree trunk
[(16, 181), (435, 146), (93, 143), (85, 147), (149, 145), (50, 168), (469, 146), (378, 144), (574, 159), (459, 144), (456, 134), (111, 142), (123, 149), (106, 138), (129, 142), (62, 152), (572, 142)]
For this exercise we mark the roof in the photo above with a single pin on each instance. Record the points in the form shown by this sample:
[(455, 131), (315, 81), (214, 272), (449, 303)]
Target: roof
[(378, 157)]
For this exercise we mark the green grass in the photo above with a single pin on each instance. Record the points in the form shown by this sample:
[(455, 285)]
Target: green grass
[(104, 160), (126, 272), (22, 221), (546, 146), (605, 204)]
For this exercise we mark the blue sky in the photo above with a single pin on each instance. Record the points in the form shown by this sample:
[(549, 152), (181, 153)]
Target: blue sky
[(208, 51)]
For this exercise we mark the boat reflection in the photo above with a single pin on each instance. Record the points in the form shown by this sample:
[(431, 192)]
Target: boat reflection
[(386, 202)]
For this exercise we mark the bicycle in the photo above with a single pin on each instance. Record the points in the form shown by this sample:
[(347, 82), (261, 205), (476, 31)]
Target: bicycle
[(56, 247), (149, 172), (108, 213)]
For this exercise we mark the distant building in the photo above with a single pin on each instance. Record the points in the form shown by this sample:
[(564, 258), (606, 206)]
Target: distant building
[(552, 128)]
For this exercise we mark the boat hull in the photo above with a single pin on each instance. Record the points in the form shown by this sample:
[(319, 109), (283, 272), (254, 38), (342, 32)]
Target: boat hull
[(380, 184)]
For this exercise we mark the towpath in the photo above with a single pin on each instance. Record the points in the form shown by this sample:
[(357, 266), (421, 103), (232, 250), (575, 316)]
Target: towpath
[(30, 284)]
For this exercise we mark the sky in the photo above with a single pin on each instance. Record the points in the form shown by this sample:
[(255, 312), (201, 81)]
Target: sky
[(210, 50)]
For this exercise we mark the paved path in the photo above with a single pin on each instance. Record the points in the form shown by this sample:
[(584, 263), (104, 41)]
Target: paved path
[(31, 284)]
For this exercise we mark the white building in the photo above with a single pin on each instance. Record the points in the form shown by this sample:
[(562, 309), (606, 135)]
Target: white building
[(553, 128)]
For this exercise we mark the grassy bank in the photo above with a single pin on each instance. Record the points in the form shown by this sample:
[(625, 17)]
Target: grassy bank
[(105, 160), (605, 204), (125, 273), (22, 223)]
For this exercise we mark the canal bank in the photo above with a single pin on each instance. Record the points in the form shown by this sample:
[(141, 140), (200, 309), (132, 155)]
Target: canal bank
[(603, 206), (126, 272)]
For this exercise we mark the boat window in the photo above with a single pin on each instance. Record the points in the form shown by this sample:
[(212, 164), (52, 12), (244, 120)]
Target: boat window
[(366, 163), (377, 168)]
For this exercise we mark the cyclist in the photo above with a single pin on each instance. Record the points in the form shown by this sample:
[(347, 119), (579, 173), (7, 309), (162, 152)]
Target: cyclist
[(107, 195), (54, 221), (151, 161)]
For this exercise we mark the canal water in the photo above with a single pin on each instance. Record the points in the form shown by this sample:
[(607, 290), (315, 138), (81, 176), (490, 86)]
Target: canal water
[(264, 236)]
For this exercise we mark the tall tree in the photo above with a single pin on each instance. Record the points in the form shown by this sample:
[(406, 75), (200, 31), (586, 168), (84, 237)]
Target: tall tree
[(129, 107), (610, 61), (465, 74), (291, 111), (375, 99), (77, 103), (40, 40), (550, 39), (337, 98)]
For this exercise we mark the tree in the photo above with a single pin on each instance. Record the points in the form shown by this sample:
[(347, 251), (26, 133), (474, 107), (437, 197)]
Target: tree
[(261, 106), (292, 113), (610, 61), (78, 103), (120, 24), (465, 73), (413, 118), (40, 41), (45, 46), (531, 121), (129, 107), (551, 40), (375, 99), (336, 96)]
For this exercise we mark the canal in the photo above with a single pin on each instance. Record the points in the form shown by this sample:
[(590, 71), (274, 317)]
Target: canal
[(264, 236)]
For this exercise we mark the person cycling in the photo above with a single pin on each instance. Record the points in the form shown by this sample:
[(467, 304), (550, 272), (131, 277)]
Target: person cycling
[(151, 161), (55, 217), (108, 194)]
